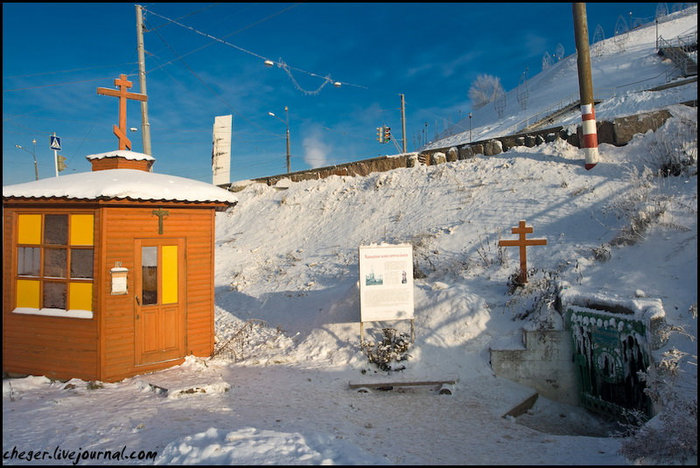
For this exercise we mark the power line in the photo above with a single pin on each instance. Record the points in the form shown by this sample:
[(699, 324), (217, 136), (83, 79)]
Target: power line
[(206, 85), (217, 95), (236, 31), (68, 71), (186, 15), (327, 79), (64, 83)]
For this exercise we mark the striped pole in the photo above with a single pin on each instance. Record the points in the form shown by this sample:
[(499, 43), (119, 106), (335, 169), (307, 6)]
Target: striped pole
[(585, 84), (590, 135)]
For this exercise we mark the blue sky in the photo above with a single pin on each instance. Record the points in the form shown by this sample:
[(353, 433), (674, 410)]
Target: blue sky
[(56, 55)]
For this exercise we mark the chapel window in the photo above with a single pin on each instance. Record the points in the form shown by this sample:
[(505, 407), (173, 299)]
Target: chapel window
[(55, 261)]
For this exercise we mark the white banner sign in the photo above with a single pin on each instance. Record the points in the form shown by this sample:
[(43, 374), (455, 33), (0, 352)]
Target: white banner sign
[(221, 150), (386, 282)]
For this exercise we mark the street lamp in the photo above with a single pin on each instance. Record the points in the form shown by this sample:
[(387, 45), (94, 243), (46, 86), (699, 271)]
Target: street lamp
[(286, 110), (470, 127), (33, 153)]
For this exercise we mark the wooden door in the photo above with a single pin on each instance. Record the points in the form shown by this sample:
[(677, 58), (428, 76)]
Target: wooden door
[(159, 314)]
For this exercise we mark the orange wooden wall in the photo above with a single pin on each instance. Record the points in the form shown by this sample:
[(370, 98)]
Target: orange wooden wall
[(52, 346), (121, 227), (103, 348)]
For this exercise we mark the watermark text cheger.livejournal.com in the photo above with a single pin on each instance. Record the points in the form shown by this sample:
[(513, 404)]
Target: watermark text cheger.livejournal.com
[(76, 456)]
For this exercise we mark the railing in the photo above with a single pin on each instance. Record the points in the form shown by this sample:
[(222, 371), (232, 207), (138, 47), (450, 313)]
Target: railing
[(678, 50), (686, 42), (541, 115)]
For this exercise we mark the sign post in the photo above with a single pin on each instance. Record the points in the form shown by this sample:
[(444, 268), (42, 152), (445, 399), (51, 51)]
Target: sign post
[(386, 284), (55, 145)]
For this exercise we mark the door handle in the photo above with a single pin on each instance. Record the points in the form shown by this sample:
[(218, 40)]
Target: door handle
[(138, 301)]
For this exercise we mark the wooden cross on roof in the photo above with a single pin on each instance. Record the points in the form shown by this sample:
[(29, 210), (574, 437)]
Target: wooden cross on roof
[(123, 84), (522, 243)]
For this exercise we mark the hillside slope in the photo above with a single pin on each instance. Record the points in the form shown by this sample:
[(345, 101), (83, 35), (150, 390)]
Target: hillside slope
[(623, 69), (289, 256)]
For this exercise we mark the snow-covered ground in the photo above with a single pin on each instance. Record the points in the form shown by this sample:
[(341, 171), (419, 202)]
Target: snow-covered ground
[(287, 305)]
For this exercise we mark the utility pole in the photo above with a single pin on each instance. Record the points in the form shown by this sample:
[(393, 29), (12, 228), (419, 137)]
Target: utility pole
[(657, 33), (286, 122), (145, 126), (585, 84), (403, 122), (470, 127), (286, 111)]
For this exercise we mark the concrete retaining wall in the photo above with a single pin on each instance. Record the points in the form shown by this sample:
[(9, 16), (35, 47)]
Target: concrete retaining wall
[(554, 362), (545, 364)]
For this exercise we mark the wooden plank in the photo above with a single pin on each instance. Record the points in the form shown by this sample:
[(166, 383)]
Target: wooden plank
[(522, 407), (401, 384)]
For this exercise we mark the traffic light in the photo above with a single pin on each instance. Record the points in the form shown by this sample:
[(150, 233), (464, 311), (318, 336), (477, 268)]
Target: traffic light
[(387, 133), (61, 163), (380, 134)]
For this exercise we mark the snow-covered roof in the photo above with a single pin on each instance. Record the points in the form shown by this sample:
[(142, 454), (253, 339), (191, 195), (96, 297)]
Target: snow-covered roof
[(132, 155), (121, 184)]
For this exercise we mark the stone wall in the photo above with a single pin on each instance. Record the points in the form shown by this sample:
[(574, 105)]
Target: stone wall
[(355, 168), (618, 132)]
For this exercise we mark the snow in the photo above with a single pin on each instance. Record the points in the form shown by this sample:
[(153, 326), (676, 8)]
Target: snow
[(121, 184), (287, 305), (73, 313)]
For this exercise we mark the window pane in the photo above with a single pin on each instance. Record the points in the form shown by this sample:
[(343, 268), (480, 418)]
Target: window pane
[(54, 295), (29, 229), (81, 229), (28, 261), (56, 229), (28, 293), (55, 261), (149, 275), (81, 263), (80, 296), (169, 281)]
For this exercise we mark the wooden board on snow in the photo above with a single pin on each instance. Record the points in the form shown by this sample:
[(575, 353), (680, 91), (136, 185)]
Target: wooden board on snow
[(445, 385)]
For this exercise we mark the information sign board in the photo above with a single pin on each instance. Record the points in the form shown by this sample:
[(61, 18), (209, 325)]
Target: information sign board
[(386, 282)]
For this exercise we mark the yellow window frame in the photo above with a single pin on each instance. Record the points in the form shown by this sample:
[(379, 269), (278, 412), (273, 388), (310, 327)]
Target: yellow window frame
[(79, 293)]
